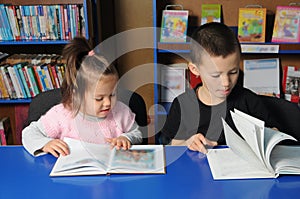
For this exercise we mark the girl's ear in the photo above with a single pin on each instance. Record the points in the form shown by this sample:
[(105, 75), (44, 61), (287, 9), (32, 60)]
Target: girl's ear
[(193, 68)]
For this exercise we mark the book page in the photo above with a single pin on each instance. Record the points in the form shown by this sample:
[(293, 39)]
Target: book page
[(252, 133), (84, 159), (272, 138), (139, 159), (225, 164), (232, 163), (286, 159)]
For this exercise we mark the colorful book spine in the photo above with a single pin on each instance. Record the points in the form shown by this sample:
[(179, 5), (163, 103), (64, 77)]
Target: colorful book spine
[(7, 32), (19, 80), (8, 82), (25, 82), (3, 89), (20, 22), (33, 80), (47, 77), (12, 18), (15, 82), (38, 75)]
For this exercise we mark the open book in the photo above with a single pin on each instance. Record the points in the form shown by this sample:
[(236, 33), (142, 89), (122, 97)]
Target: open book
[(96, 159), (258, 155)]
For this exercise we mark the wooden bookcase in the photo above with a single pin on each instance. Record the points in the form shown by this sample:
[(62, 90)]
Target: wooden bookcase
[(17, 109), (168, 53)]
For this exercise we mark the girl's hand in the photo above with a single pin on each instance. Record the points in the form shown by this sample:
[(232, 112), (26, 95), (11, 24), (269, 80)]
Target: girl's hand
[(199, 143), (56, 147), (119, 142)]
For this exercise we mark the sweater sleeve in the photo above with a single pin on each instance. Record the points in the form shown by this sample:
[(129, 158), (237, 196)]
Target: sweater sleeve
[(134, 135), (34, 138)]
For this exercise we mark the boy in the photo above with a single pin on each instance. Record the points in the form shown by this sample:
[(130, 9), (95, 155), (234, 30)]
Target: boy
[(195, 116)]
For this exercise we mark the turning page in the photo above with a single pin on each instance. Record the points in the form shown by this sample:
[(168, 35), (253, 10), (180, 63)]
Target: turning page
[(236, 162)]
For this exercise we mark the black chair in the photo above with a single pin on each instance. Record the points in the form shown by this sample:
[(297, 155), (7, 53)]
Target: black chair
[(287, 115), (41, 103)]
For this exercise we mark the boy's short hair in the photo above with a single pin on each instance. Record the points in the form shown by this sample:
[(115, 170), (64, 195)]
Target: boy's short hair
[(213, 38)]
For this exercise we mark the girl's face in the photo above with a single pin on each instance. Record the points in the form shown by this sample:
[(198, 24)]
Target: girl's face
[(219, 75), (101, 100)]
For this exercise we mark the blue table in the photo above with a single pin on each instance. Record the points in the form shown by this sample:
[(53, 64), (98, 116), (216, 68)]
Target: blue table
[(188, 176)]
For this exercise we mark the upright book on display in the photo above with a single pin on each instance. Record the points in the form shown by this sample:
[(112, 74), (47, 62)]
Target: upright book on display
[(286, 25), (262, 76), (291, 83), (174, 25), (210, 13), (252, 24)]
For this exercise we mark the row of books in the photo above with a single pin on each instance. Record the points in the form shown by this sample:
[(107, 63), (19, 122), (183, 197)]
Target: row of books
[(252, 22), (42, 22), (26, 77)]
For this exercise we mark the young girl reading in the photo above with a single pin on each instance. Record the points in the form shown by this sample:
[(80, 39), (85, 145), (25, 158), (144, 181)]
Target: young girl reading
[(89, 110)]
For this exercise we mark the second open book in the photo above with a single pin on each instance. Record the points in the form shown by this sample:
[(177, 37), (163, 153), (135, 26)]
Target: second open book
[(96, 159), (258, 155)]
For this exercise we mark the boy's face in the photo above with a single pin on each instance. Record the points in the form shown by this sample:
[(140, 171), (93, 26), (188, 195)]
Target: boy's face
[(101, 100), (219, 76)]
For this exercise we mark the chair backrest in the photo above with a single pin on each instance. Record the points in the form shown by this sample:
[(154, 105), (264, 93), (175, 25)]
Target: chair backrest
[(287, 115), (41, 103)]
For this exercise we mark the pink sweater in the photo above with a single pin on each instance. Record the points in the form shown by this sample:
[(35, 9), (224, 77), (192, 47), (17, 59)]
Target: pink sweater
[(59, 123)]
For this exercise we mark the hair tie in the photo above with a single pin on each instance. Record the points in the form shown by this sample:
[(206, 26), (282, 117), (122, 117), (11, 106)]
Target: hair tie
[(91, 53)]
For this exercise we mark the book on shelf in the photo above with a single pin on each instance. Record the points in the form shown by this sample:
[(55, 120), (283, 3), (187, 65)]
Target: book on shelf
[(252, 24), (174, 25), (3, 90), (262, 76), (44, 22), (5, 131), (291, 83), (8, 82), (210, 13), (173, 81), (286, 24), (94, 159), (5, 29), (257, 153)]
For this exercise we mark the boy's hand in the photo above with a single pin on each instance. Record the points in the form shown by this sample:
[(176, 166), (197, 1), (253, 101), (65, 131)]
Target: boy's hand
[(199, 143), (56, 147), (119, 142)]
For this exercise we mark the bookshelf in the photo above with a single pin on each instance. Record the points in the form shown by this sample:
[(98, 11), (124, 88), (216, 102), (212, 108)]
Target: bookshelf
[(168, 53), (17, 109)]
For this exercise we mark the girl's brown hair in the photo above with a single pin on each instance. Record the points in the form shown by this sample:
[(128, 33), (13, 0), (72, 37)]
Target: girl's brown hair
[(83, 71)]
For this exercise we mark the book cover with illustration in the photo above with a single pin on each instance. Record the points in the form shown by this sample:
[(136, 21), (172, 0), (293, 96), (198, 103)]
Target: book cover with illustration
[(210, 13), (286, 25), (174, 25), (291, 83), (252, 24), (173, 81)]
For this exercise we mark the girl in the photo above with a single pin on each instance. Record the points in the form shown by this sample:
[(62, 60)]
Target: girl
[(89, 110)]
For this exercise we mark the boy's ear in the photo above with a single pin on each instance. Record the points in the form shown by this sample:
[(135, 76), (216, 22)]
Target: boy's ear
[(193, 68)]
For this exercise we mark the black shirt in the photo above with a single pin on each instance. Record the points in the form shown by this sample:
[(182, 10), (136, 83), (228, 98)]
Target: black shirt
[(188, 115)]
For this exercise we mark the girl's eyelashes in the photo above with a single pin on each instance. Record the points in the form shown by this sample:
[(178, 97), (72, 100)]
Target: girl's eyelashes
[(99, 99)]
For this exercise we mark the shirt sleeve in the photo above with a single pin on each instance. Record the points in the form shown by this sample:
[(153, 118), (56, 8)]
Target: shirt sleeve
[(34, 138), (134, 135)]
